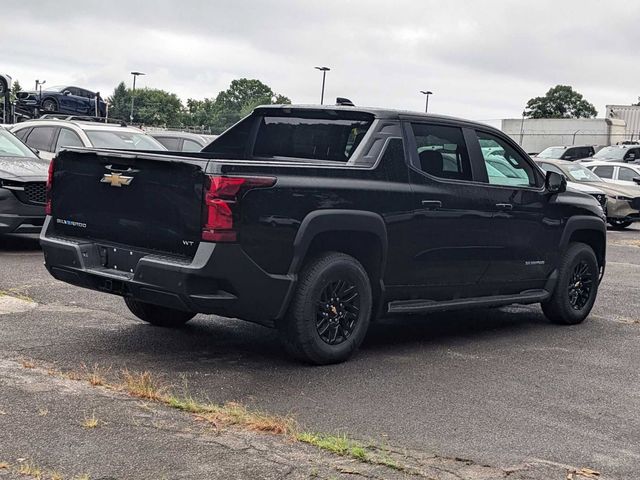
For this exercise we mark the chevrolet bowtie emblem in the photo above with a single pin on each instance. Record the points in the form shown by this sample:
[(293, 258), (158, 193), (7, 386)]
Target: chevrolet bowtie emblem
[(116, 179)]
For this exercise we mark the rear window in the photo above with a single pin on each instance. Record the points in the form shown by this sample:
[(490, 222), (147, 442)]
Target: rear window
[(123, 140), (333, 139)]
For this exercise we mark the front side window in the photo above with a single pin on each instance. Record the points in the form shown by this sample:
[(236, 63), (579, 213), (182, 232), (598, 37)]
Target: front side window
[(41, 138), (505, 166), (68, 138), (604, 171), (191, 146), (172, 143), (333, 139), (442, 151)]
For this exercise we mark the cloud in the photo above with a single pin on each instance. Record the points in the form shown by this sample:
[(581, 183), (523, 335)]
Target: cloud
[(481, 59)]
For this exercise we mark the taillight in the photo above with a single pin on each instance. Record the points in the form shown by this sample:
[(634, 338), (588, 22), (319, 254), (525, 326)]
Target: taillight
[(220, 199), (47, 207)]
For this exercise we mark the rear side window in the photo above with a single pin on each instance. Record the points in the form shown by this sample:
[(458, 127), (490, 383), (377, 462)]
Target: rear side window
[(22, 134), (191, 146), (68, 138), (627, 174), (442, 151), (309, 138), (170, 142), (505, 166), (604, 171), (41, 138)]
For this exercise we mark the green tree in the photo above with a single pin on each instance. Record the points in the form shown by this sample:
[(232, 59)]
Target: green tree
[(120, 102), (16, 87), (151, 106), (561, 101)]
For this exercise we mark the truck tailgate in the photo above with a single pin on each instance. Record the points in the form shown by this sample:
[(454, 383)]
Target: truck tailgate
[(138, 200)]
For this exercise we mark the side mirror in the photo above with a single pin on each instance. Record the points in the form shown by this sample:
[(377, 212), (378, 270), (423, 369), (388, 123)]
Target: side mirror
[(555, 183), (66, 92)]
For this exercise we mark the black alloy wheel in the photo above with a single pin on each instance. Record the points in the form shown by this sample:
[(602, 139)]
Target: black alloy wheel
[(580, 285), (338, 312)]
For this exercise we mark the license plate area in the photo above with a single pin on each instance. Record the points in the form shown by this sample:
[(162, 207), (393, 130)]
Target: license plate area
[(121, 259)]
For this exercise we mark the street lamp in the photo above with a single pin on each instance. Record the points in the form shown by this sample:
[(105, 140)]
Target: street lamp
[(133, 93), (427, 93), (324, 71)]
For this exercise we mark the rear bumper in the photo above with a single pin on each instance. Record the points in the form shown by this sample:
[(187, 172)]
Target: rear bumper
[(221, 278), (18, 217)]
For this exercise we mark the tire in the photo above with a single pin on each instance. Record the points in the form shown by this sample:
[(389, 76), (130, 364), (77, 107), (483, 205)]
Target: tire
[(618, 224), (50, 105), (325, 322), (570, 303), (157, 315)]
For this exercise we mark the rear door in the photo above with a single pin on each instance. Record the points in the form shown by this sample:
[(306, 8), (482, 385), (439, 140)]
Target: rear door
[(450, 240), (526, 228)]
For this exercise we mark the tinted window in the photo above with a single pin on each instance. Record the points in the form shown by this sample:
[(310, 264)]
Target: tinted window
[(442, 151), (505, 166), (191, 146), (233, 142), (604, 172), (627, 174), (68, 138), (632, 154), (41, 138), (332, 139), (394, 152), (170, 142), (22, 134)]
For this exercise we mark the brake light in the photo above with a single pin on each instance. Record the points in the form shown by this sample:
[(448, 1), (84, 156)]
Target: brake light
[(47, 207), (220, 199)]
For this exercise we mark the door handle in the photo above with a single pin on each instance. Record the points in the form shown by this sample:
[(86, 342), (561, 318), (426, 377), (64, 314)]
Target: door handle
[(504, 206), (431, 204)]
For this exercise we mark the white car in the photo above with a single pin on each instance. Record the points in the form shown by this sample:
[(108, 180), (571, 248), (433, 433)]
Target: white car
[(49, 136), (616, 172)]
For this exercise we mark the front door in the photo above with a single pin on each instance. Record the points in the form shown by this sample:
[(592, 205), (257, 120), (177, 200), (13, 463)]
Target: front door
[(450, 240), (526, 223)]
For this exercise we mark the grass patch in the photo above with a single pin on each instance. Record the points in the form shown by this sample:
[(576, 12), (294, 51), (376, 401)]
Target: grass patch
[(143, 385), (232, 413), (30, 469), (96, 376), (339, 445), (15, 294), (91, 422), (26, 363)]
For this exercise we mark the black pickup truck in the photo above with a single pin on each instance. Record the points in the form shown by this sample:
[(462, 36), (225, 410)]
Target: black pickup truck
[(319, 220)]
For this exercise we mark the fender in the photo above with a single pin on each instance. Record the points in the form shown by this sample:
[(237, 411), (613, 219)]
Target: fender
[(584, 223), (331, 220)]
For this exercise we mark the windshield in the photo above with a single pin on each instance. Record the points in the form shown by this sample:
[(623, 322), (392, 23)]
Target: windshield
[(10, 146), (552, 152), (611, 153), (122, 139), (57, 88), (578, 173)]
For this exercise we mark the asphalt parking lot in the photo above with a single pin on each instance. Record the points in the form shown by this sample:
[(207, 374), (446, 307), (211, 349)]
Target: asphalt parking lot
[(499, 387)]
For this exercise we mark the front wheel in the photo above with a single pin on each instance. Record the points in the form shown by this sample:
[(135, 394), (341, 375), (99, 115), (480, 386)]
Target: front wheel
[(330, 312), (157, 315), (50, 105), (577, 286), (618, 224)]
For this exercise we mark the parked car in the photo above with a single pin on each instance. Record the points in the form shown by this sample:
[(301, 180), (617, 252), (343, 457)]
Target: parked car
[(623, 202), (180, 141), (572, 152), (61, 99), (614, 172), (618, 153), (49, 136), (5, 84), (22, 186), (391, 213)]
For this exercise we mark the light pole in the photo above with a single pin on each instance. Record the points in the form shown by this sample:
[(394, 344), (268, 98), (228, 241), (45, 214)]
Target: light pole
[(133, 93), (427, 93), (324, 71)]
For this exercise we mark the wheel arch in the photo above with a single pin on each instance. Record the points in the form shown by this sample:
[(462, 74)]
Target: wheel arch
[(359, 233), (589, 230)]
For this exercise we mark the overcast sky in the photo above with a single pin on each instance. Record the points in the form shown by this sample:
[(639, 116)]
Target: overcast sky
[(482, 59)]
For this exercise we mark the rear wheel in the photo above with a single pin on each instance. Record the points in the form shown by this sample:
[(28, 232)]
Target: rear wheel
[(577, 286), (330, 313), (50, 105), (157, 315), (617, 224)]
